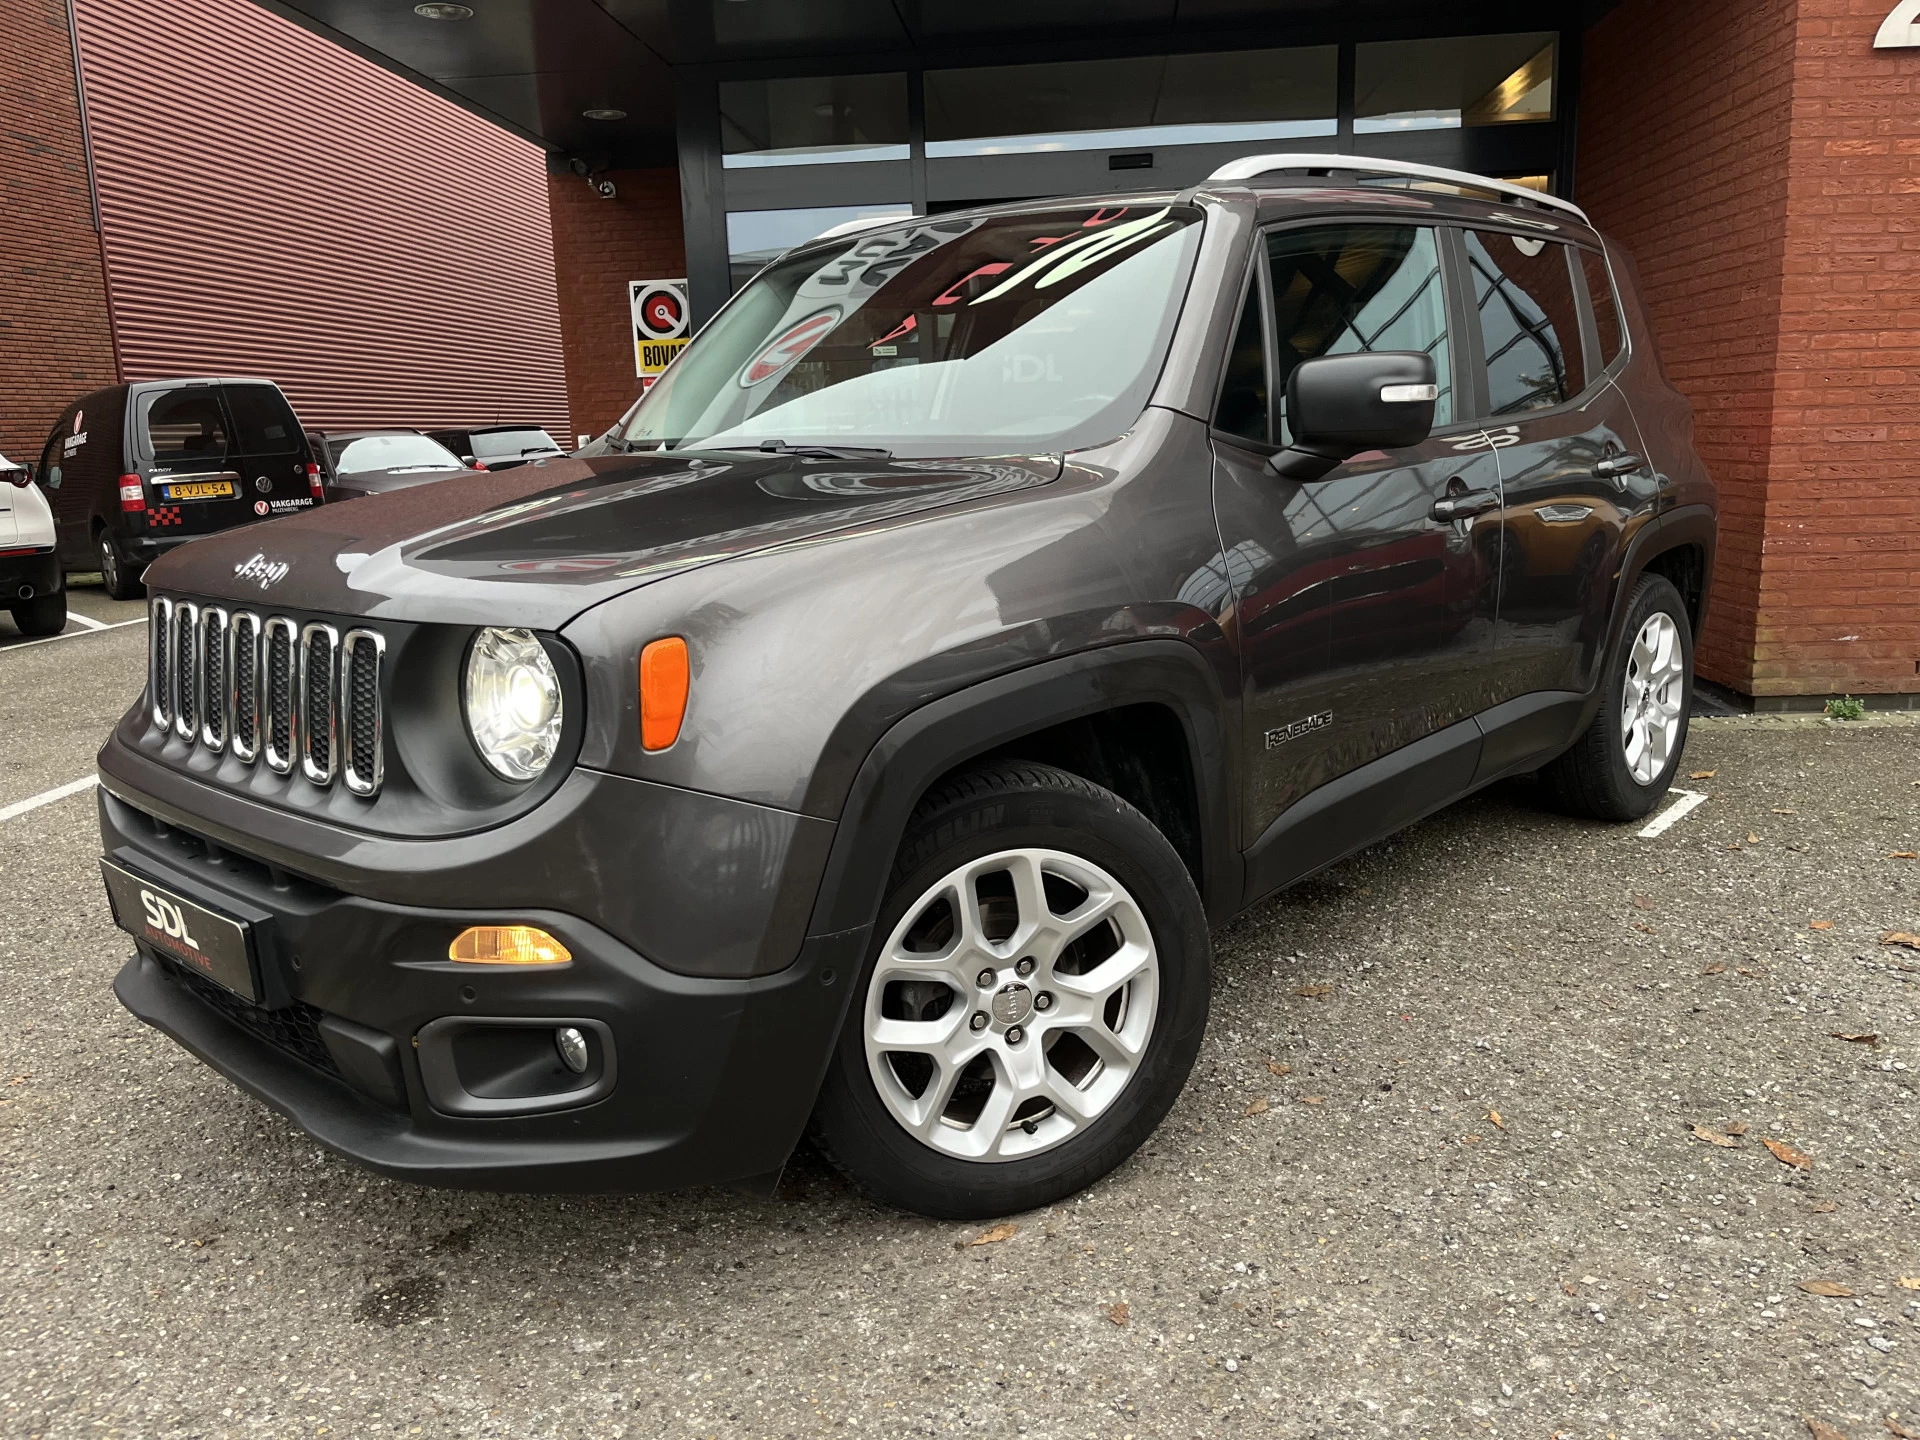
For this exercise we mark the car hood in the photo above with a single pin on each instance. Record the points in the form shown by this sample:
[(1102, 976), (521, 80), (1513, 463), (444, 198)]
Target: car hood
[(538, 544)]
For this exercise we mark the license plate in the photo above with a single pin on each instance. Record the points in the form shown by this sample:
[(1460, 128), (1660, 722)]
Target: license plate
[(205, 941), (200, 490)]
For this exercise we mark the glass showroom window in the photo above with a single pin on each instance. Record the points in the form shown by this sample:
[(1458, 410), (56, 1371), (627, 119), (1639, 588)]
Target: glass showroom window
[(813, 120), (1447, 84), (1247, 95), (758, 237)]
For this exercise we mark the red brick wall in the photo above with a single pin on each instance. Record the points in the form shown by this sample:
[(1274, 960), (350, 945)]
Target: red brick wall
[(1762, 162), (598, 246), (56, 336), (1683, 158)]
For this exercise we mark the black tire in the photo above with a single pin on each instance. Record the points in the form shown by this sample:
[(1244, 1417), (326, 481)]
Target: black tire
[(1007, 806), (116, 572), (42, 615), (1593, 779)]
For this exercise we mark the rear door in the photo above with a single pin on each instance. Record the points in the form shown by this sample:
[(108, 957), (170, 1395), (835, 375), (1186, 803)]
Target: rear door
[(1569, 455), (183, 438), (269, 451)]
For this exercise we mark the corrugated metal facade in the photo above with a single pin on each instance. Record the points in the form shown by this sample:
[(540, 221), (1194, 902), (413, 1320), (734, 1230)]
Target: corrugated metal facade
[(275, 205)]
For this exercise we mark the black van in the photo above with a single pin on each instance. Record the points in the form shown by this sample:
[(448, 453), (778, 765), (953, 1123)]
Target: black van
[(133, 470)]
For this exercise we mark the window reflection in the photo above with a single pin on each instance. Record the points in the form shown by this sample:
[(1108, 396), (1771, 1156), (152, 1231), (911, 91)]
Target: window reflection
[(1460, 81), (813, 120), (758, 237)]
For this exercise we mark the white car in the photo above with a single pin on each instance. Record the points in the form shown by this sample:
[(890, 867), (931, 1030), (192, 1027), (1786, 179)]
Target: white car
[(31, 586)]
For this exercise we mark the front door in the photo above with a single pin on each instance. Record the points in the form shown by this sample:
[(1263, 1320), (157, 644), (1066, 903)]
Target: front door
[(1570, 461)]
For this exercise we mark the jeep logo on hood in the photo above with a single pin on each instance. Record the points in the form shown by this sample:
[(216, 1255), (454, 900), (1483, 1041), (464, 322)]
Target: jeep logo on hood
[(261, 570)]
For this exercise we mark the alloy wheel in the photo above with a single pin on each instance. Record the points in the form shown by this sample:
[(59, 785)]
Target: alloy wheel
[(1652, 697), (109, 564), (1011, 1005)]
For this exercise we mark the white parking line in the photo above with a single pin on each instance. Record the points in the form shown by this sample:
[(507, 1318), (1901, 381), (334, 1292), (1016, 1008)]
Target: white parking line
[(87, 621), (73, 634), (47, 797), (1689, 801)]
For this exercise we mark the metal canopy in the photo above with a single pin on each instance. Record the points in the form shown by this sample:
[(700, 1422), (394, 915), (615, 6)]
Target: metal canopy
[(535, 66)]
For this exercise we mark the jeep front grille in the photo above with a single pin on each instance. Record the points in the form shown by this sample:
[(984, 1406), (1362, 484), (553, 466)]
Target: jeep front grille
[(269, 688)]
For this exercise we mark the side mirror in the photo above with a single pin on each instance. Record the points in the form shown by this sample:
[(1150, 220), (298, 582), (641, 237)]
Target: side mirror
[(1340, 405)]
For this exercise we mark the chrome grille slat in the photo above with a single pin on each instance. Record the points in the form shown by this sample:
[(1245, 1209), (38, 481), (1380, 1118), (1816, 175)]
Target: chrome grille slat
[(270, 687)]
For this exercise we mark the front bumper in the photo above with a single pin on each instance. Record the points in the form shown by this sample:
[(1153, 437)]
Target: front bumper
[(713, 1078)]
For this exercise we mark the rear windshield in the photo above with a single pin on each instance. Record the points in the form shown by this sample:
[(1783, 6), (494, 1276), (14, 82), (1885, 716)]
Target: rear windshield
[(262, 420), (512, 444), (184, 427), (401, 451), (940, 337)]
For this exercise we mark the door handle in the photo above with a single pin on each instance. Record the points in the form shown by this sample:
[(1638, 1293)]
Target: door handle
[(1614, 466), (1465, 504)]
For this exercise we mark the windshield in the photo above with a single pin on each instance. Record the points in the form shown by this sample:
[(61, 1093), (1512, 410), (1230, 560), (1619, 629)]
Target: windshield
[(400, 451), (1044, 330), (511, 444)]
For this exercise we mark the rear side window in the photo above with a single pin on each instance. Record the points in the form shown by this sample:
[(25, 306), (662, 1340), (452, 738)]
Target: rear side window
[(1243, 394), (1348, 289), (1606, 306), (263, 421), (185, 426), (1529, 320)]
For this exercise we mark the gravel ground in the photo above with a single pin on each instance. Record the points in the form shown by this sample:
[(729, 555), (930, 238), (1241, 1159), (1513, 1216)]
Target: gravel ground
[(1434, 1175)]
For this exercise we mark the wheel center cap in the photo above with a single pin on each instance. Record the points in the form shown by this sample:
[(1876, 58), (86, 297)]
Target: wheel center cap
[(1012, 1004)]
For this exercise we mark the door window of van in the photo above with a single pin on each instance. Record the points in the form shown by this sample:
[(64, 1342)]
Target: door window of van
[(263, 423), (183, 427)]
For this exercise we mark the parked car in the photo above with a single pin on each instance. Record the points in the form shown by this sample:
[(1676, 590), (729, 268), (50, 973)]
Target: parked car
[(31, 585), (499, 447), (134, 470), (981, 608), (372, 462)]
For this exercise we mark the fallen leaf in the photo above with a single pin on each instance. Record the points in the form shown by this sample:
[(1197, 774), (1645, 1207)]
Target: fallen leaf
[(1494, 1116), (995, 1235), (1832, 1289), (1894, 1427), (1903, 854), (1862, 1038), (1910, 1282), (1824, 1207), (1643, 927), (1733, 847), (1258, 1107), (1274, 1069), (1315, 992), (1787, 1155), (1470, 1139), (1820, 925), (1714, 1137), (1567, 1287), (1752, 839), (1703, 774), (1738, 1127), (1643, 902), (1901, 937), (1313, 1099), (1118, 1312), (1786, 812), (1718, 967), (1750, 973), (1820, 1431)]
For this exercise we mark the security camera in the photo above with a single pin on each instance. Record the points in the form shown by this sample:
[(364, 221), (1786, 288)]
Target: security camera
[(604, 189), (579, 167)]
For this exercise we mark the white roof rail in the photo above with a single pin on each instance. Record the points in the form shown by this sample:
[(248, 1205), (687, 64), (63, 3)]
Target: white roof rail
[(851, 227), (1251, 166)]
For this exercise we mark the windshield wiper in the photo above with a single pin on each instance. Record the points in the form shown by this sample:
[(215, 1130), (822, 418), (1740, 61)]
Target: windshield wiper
[(821, 452)]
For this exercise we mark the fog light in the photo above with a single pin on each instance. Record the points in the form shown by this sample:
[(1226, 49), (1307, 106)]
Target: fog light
[(572, 1046), (507, 945)]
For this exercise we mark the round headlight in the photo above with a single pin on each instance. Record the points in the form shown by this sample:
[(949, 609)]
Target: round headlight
[(513, 702)]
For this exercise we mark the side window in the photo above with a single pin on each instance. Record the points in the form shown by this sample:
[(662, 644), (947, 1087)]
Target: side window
[(185, 427), (1529, 320), (1344, 289), (1243, 394), (262, 422), (1606, 306), (49, 476)]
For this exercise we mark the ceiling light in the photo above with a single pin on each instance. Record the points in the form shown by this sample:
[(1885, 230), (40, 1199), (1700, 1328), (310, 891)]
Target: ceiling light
[(604, 114), (444, 12)]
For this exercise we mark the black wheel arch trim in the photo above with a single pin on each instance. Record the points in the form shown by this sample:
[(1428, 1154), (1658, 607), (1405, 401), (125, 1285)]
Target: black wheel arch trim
[(945, 733), (1683, 526)]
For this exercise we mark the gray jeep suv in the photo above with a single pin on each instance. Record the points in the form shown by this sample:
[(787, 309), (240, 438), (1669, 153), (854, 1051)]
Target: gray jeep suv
[(982, 607)]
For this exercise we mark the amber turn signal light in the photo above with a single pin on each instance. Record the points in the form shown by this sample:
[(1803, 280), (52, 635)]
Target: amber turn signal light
[(664, 676), (507, 945)]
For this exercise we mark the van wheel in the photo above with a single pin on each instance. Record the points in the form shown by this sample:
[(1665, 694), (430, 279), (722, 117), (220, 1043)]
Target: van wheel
[(42, 615), (115, 572), (1623, 764), (1033, 1000)]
